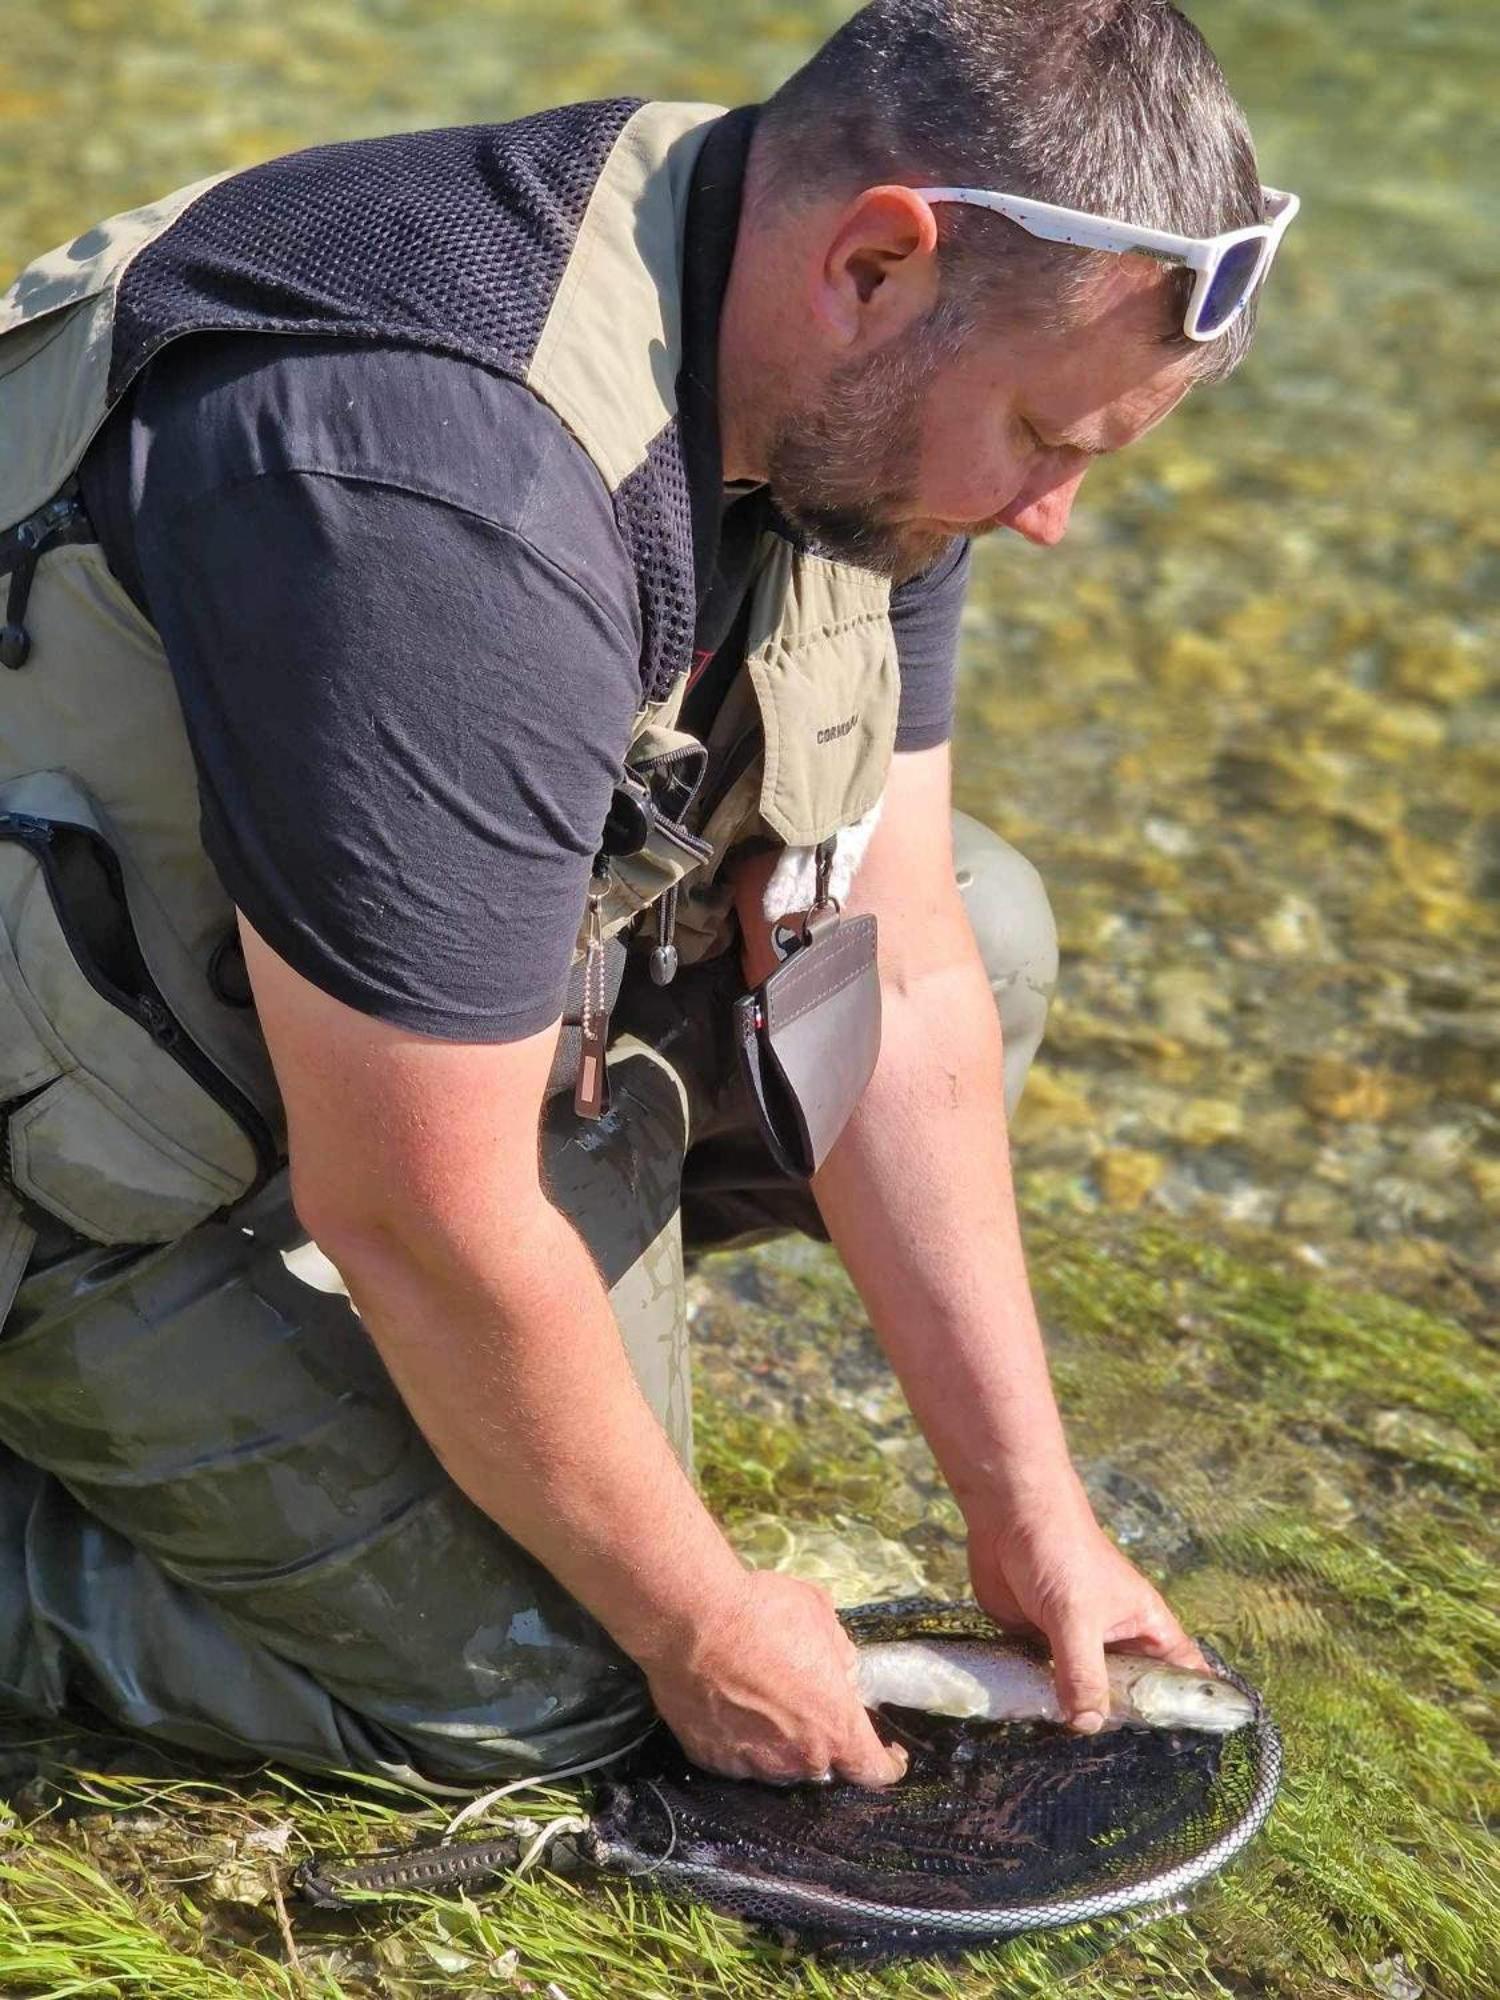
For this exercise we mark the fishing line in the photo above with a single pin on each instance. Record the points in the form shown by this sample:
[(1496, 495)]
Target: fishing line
[(553, 1830), (477, 1808), (671, 1847)]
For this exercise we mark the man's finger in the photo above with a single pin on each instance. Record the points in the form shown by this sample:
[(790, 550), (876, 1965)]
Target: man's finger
[(868, 1761), (1002, 1604), (1078, 1667), (1162, 1637), (1183, 1653)]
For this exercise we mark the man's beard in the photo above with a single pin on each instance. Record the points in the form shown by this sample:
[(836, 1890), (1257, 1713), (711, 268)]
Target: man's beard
[(843, 468)]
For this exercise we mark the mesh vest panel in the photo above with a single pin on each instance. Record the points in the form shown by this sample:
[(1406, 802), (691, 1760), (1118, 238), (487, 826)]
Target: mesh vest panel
[(454, 241)]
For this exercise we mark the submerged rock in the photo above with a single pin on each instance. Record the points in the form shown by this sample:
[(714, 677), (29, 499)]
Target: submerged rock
[(1127, 1175), (1344, 1091), (1142, 1520), (851, 1560), (1417, 1434), (1393, 1979), (1206, 1121)]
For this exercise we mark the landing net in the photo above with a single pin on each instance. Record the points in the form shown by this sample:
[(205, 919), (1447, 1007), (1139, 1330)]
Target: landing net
[(998, 1828)]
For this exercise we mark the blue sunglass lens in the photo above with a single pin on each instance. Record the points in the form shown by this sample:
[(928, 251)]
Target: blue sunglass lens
[(1231, 285)]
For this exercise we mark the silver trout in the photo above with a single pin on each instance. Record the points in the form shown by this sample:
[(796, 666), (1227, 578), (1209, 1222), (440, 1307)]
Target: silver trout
[(987, 1680)]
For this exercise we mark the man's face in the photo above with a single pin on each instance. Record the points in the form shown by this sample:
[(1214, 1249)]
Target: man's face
[(947, 432)]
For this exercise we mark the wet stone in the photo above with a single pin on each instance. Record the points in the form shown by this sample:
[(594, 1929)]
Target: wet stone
[(1294, 929), (848, 1559), (1205, 1121), (1344, 1091), (1317, 1210), (1127, 1175), (1393, 1979), (1417, 1434)]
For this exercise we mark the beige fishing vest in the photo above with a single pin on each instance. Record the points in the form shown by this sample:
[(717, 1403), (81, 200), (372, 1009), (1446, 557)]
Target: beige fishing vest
[(137, 1091)]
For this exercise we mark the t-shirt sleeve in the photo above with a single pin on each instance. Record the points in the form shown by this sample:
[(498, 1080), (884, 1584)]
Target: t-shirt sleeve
[(407, 715), (925, 615)]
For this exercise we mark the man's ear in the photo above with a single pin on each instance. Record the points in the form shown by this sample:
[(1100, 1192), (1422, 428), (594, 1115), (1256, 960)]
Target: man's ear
[(878, 274)]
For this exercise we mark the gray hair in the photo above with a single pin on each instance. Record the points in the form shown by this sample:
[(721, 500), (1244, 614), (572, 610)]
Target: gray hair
[(1114, 106)]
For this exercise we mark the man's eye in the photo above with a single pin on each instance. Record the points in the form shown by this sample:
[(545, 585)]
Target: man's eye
[(1033, 436)]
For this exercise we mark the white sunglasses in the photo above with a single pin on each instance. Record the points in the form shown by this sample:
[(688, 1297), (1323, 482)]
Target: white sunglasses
[(1228, 269)]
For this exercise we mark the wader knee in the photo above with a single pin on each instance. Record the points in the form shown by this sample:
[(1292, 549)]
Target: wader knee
[(221, 1526), (1017, 937)]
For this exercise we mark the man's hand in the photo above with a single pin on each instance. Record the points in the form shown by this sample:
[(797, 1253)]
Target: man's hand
[(768, 1692), (1045, 1565)]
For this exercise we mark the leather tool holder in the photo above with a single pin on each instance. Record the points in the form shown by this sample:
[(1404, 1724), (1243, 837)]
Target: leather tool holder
[(809, 1036)]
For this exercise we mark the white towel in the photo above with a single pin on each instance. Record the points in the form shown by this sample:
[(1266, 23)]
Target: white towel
[(794, 880)]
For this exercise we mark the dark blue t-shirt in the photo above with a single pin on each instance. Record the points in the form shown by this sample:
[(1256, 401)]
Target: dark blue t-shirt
[(405, 637)]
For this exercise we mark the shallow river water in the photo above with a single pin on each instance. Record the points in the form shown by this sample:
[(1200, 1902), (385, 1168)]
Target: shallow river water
[(1245, 722)]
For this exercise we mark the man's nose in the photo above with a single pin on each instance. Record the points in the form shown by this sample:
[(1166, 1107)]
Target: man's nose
[(1042, 516)]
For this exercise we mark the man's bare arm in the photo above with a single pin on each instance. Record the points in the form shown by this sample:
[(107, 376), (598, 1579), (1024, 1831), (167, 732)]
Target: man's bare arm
[(918, 1199), (415, 1166)]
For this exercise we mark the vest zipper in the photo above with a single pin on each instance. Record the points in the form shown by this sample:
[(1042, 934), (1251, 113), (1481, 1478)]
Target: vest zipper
[(689, 843), (147, 1008), (672, 826), (740, 756), (684, 753), (60, 522), (679, 837)]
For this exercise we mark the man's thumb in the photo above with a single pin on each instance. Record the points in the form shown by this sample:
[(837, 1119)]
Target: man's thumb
[(1078, 1666), (869, 1761)]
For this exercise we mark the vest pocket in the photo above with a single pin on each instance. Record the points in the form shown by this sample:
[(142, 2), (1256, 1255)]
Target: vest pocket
[(828, 683), (83, 1155), (636, 881), (115, 1122)]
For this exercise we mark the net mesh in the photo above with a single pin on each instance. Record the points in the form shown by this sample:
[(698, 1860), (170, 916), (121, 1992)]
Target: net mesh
[(997, 1828)]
